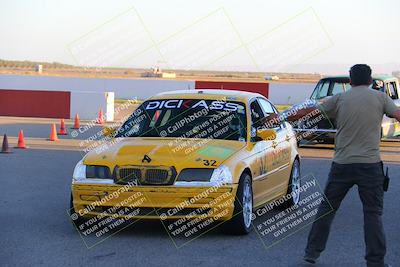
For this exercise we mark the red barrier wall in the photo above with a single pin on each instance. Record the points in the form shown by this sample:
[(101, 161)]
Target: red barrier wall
[(26, 103), (261, 88)]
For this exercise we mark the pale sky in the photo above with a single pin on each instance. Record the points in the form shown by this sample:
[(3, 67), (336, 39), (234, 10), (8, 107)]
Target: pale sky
[(254, 35)]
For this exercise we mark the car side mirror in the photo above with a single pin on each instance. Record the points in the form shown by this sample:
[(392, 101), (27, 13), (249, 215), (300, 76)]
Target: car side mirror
[(266, 134), (109, 131)]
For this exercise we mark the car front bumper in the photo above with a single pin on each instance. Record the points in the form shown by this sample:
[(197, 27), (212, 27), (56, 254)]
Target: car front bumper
[(154, 202)]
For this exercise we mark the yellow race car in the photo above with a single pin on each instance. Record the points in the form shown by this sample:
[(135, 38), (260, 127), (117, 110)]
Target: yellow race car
[(191, 154)]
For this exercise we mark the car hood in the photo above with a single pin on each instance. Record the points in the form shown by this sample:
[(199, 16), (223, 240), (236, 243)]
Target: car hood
[(181, 153)]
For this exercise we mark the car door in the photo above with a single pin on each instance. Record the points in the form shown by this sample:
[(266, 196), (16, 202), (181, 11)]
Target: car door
[(327, 88), (395, 95), (392, 90), (260, 152), (321, 90), (279, 158), (390, 126), (270, 158)]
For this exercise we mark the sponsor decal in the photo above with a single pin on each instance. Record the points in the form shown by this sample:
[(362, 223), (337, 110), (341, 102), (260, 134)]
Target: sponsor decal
[(273, 159), (216, 151), (146, 159), (177, 104)]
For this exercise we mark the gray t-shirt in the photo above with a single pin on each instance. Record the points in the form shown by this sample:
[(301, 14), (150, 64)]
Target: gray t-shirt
[(358, 113)]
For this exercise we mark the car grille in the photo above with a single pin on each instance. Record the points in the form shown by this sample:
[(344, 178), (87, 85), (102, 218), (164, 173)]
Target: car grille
[(129, 175), (159, 175), (156, 176)]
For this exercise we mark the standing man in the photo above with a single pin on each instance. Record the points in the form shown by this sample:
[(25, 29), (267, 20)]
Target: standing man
[(358, 114)]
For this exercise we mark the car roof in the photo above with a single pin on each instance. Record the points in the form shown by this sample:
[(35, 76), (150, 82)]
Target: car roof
[(375, 77), (208, 94)]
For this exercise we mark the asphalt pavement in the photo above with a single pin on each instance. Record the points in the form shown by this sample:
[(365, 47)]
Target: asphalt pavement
[(43, 131), (36, 231)]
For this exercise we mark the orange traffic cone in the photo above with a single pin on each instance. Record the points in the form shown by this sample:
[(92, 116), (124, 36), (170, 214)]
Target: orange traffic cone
[(5, 148), (21, 141), (63, 130), (53, 133), (77, 123), (100, 119)]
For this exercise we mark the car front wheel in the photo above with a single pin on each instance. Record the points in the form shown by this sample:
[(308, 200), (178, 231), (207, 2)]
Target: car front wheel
[(240, 224), (293, 187)]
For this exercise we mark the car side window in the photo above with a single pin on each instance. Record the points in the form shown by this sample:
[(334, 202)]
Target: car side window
[(314, 94), (321, 90), (268, 108), (256, 114), (337, 88), (392, 90), (283, 125)]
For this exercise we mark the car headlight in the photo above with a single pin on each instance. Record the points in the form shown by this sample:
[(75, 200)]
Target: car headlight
[(79, 171), (195, 175), (221, 175), (99, 172)]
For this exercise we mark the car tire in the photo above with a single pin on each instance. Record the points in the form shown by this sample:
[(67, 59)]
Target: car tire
[(241, 222), (293, 186), (79, 219)]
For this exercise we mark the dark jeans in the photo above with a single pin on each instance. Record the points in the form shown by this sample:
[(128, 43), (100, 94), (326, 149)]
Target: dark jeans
[(369, 179)]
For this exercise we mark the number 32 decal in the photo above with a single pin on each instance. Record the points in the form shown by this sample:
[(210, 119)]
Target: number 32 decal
[(210, 162)]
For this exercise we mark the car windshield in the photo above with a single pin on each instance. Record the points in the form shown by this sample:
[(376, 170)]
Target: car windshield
[(332, 87), (187, 118)]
